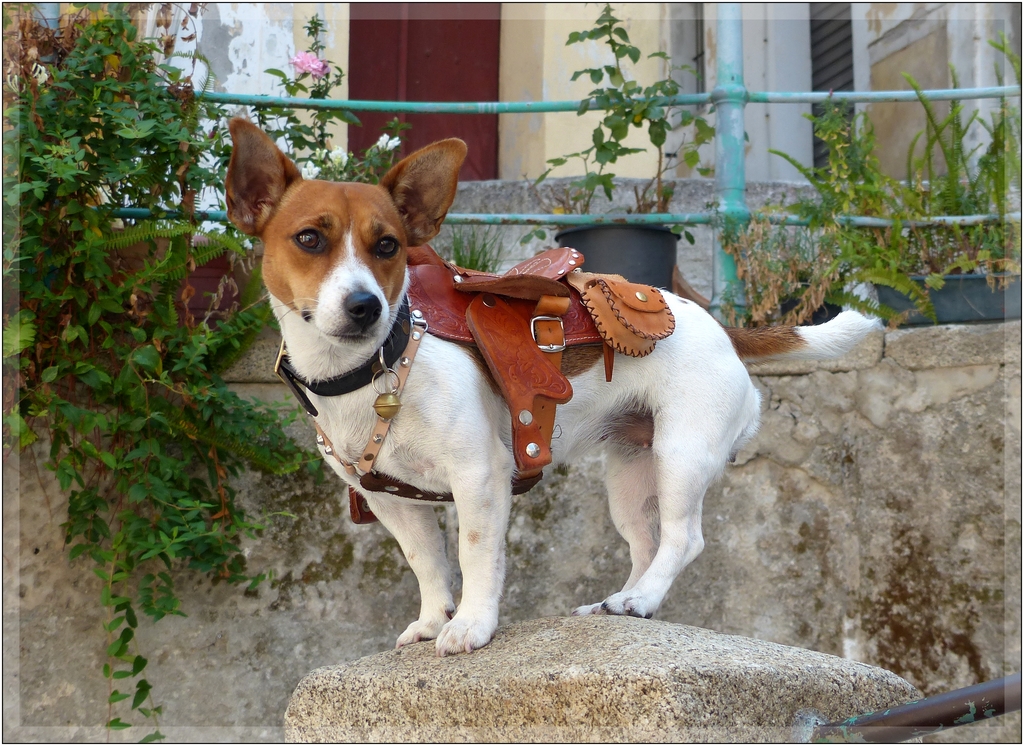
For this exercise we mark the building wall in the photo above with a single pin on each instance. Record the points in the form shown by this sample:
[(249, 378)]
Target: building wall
[(243, 39), (537, 65), (926, 40)]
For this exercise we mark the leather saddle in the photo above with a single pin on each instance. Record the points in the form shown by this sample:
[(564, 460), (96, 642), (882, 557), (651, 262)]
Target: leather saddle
[(523, 320)]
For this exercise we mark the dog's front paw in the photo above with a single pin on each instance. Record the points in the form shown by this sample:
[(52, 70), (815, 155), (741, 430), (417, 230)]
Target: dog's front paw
[(421, 629), (628, 603), (588, 610), (464, 636)]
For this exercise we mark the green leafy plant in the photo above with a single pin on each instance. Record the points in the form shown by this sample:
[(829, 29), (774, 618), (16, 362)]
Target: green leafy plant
[(626, 104), (100, 351), (971, 184), (309, 142), (820, 263), (473, 247)]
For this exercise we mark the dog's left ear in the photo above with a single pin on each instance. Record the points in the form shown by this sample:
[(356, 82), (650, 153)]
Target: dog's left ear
[(423, 185), (258, 174)]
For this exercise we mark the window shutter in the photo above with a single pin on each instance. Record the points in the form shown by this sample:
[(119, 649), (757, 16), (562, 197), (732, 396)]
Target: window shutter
[(831, 57)]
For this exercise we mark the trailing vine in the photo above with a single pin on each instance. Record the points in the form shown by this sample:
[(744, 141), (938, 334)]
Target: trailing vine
[(101, 353)]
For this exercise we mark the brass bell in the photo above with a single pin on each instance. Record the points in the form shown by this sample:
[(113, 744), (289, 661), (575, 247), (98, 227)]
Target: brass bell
[(387, 405)]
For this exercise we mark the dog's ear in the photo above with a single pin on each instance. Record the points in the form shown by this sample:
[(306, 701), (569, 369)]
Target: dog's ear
[(423, 185), (258, 174)]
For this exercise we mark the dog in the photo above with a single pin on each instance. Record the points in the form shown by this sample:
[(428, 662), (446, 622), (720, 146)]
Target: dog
[(335, 268)]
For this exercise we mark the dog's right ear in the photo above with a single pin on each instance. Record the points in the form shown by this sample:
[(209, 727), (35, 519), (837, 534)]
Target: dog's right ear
[(258, 174)]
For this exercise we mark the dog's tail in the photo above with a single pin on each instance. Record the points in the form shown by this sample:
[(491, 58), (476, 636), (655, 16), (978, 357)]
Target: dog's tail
[(829, 340)]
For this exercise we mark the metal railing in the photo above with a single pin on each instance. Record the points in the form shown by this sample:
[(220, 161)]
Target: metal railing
[(730, 98)]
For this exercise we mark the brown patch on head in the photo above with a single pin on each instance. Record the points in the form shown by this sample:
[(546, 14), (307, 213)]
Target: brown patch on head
[(353, 221), (267, 196), (473, 538), (764, 341)]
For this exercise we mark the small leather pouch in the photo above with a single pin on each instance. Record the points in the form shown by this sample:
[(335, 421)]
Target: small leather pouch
[(630, 317)]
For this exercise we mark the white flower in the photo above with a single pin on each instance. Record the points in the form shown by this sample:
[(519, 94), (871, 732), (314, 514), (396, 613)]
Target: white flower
[(387, 143), (40, 73), (339, 157), (310, 171)]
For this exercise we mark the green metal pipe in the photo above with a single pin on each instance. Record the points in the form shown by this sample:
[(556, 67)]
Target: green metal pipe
[(534, 107), (433, 107), (867, 97), (696, 218), (656, 218), (861, 221), (729, 97)]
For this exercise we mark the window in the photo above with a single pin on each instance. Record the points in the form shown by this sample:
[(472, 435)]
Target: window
[(831, 57)]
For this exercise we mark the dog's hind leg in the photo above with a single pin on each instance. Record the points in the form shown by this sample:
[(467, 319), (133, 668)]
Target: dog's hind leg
[(415, 528), (686, 467), (633, 504)]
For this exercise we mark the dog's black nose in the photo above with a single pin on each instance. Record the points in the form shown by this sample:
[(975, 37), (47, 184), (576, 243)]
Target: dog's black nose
[(363, 309)]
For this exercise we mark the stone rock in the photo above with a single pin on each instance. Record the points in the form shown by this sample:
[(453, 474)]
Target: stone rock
[(952, 345), (589, 679)]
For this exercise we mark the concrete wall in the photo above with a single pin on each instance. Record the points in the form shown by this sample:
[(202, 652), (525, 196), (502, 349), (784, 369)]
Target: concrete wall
[(893, 38), (536, 65), (243, 39), (875, 517)]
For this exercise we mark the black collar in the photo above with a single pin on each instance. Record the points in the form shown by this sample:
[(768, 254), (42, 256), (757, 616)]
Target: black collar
[(394, 346)]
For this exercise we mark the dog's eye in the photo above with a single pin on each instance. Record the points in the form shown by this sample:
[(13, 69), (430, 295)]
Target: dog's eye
[(310, 240), (386, 247)]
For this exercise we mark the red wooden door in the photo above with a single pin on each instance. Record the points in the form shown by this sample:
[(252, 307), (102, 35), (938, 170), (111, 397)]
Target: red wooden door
[(427, 52)]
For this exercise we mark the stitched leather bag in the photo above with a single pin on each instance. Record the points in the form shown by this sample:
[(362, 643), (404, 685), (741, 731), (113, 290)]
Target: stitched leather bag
[(630, 317)]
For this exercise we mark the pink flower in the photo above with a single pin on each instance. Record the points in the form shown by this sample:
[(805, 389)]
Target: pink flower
[(307, 62)]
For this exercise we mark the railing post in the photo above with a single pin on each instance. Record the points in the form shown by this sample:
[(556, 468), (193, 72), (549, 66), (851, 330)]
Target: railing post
[(729, 98)]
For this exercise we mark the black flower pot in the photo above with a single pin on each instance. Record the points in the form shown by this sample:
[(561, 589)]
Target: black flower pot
[(640, 253), (962, 299), (823, 313)]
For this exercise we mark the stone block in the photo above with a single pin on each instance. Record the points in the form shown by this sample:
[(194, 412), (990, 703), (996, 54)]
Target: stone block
[(611, 679), (954, 345)]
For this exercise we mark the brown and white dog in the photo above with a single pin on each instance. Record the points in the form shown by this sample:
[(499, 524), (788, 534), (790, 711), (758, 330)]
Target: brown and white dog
[(335, 268)]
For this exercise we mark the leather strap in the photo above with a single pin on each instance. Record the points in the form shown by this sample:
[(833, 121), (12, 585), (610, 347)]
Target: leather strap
[(396, 342), (530, 378)]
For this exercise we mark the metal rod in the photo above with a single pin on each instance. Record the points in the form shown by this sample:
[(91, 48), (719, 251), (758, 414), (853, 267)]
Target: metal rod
[(658, 218), (533, 107), (867, 97), (431, 107), (730, 98), (861, 221), (929, 715)]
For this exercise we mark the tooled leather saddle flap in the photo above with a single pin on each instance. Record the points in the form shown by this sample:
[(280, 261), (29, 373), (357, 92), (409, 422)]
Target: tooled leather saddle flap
[(537, 276), (526, 375), (433, 291)]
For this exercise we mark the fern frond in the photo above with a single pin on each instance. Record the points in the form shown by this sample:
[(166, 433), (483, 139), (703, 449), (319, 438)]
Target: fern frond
[(146, 231), (864, 305), (261, 458), (902, 283)]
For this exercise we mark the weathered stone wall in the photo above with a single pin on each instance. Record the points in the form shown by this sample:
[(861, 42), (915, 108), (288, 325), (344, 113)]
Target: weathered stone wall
[(875, 517)]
